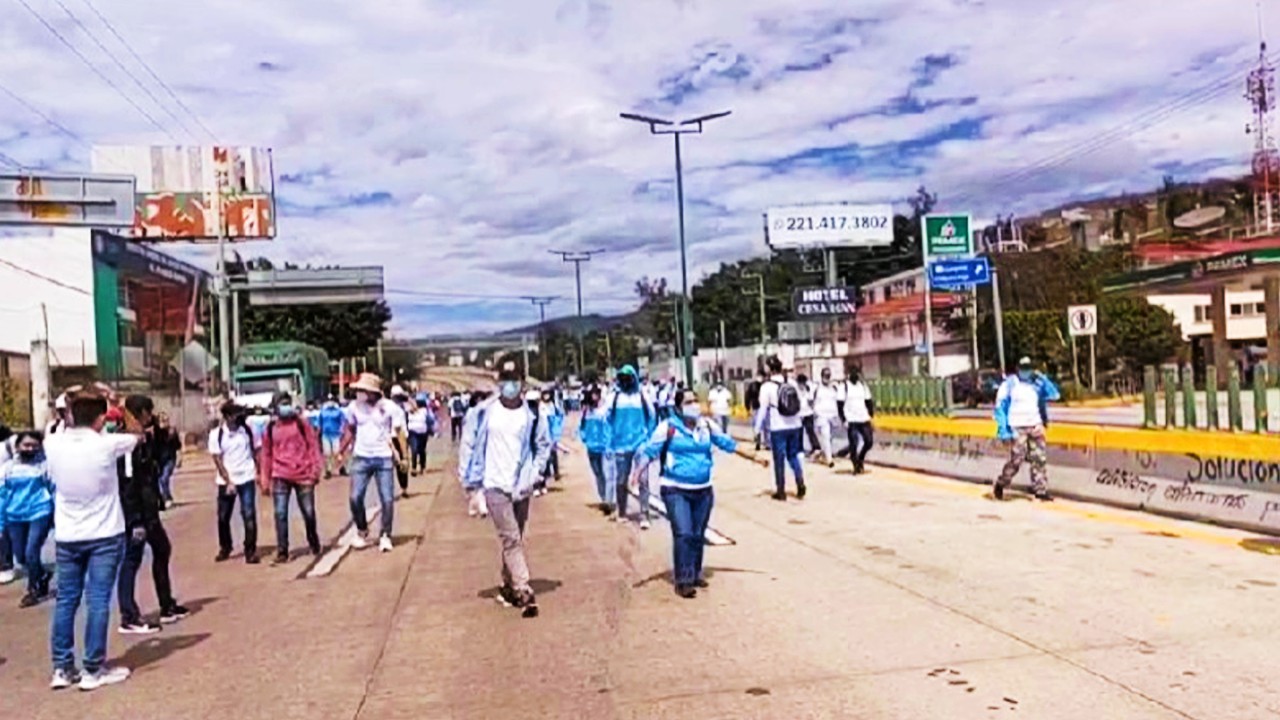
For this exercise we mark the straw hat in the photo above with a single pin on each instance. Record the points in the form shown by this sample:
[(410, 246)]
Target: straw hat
[(368, 382)]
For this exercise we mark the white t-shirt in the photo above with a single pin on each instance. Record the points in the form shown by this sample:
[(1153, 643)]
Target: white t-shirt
[(505, 442), (824, 401), (418, 421), (236, 447), (373, 428), (856, 395), (82, 466), (399, 417), (721, 400), (769, 406), (1024, 405)]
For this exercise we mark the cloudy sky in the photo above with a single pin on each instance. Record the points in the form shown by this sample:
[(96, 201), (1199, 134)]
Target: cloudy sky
[(455, 142)]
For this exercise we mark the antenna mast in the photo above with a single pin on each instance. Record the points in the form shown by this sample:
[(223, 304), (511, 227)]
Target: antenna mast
[(1261, 93)]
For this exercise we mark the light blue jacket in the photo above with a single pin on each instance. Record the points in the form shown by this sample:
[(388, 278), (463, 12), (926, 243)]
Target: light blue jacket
[(555, 423), (26, 493), (594, 430), (631, 420), (688, 461), (1045, 389), (534, 451)]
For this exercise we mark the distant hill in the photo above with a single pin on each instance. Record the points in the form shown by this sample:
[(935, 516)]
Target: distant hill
[(590, 324)]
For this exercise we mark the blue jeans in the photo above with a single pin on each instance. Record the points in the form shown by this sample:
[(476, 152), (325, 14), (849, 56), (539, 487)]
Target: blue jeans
[(85, 568), (166, 480), (623, 463), (607, 491), (27, 539), (306, 494), (247, 493), (786, 449), (689, 511), (363, 472)]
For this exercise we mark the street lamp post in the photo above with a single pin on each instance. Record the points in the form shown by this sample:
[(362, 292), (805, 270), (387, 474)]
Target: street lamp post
[(692, 126), (577, 258)]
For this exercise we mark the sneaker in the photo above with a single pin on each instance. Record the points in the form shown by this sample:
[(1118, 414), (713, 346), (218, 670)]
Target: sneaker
[(507, 597), (644, 523), (282, 557), (138, 627), (252, 558), (384, 543), (801, 491), (222, 555), (31, 599), (529, 603), (688, 592), (316, 550), (105, 676), (620, 518), (8, 576), (359, 543), (63, 679), (173, 614), (779, 496), (998, 491), (1044, 496), (702, 583)]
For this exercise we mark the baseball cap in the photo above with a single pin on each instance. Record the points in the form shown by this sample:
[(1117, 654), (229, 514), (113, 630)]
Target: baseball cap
[(1024, 362)]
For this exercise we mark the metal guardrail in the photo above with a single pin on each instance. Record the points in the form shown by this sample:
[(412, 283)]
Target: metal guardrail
[(912, 396), (1177, 386)]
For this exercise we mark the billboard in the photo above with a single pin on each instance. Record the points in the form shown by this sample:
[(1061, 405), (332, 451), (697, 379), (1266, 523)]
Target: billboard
[(305, 286), (828, 302), (31, 197), (828, 226), (197, 192)]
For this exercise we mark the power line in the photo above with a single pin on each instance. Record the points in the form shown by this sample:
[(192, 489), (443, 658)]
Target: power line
[(145, 66), (120, 65), (41, 114), (8, 160), (45, 278), (89, 64)]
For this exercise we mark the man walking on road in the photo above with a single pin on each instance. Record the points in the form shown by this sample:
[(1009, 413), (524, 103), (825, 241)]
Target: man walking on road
[(331, 422), (142, 502), (89, 531), (291, 465), (631, 420), (826, 413), (457, 411), (370, 427), (509, 447), (1022, 414), (859, 408), (721, 401), (779, 415), (234, 449)]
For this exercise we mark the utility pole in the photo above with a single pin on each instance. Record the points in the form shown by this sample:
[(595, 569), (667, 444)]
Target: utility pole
[(577, 258), (542, 302), (764, 327), (692, 126)]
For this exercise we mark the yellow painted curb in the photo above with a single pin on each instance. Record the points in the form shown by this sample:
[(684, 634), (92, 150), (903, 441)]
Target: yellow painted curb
[(1204, 443)]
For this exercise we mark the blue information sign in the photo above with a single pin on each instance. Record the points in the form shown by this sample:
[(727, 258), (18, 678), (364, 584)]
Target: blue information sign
[(959, 272)]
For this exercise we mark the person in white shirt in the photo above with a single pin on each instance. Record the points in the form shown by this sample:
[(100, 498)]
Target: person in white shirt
[(419, 426), (371, 424), (780, 407), (507, 447), (400, 436), (826, 413), (89, 531), (807, 415), (234, 449), (721, 401), (858, 411), (1022, 414)]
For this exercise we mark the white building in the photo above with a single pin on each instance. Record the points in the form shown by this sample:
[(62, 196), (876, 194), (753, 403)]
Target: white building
[(889, 330)]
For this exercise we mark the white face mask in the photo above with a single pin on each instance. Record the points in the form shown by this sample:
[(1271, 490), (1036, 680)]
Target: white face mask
[(691, 412)]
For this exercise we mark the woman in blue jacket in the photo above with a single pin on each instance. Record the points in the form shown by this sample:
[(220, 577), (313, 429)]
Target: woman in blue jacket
[(682, 446), (594, 434), (26, 511)]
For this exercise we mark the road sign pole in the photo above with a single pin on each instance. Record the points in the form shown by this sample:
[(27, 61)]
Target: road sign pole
[(999, 313), (1075, 362), (973, 328), (1093, 363), (928, 323)]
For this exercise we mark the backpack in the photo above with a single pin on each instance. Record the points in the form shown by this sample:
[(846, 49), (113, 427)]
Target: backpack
[(788, 400), (666, 445)]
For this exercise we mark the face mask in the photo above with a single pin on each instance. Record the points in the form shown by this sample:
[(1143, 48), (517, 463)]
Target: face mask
[(287, 411), (363, 397), (110, 427), (28, 455), (1024, 375), (627, 383), (510, 390), (826, 379), (691, 412)]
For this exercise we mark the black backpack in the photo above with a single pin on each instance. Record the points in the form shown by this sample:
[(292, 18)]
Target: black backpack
[(788, 400)]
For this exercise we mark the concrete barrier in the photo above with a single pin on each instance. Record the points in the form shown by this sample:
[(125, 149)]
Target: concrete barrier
[(1223, 478)]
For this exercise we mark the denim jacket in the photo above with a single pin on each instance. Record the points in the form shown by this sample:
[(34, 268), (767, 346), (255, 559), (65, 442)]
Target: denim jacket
[(533, 455)]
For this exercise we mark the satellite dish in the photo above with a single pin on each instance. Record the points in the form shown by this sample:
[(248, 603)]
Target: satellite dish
[(1200, 217)]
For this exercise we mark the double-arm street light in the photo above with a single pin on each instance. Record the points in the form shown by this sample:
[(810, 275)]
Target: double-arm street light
[(577, 258), (692, 126)]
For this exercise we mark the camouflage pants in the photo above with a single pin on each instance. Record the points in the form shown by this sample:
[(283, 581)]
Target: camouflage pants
[(1029, 445)]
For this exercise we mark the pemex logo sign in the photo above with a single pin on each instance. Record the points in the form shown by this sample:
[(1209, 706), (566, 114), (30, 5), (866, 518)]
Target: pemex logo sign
[(947, 235)]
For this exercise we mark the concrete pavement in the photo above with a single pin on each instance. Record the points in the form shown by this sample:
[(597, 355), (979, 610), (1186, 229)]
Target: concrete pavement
[(891, 595)]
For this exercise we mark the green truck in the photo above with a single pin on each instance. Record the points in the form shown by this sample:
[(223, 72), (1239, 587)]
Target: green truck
[(264, 369)]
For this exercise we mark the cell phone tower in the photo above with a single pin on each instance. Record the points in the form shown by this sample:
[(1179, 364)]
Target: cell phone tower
[(1261, 92)]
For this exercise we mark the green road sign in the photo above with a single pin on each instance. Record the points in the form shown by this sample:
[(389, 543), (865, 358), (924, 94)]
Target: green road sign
[(947, 235)]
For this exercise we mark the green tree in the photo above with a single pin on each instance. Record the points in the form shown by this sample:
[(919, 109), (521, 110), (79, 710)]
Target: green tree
[(1133, 333), (346, 330)]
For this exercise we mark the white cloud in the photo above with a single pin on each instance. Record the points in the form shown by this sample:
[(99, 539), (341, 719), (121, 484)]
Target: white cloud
[(493, 126)]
